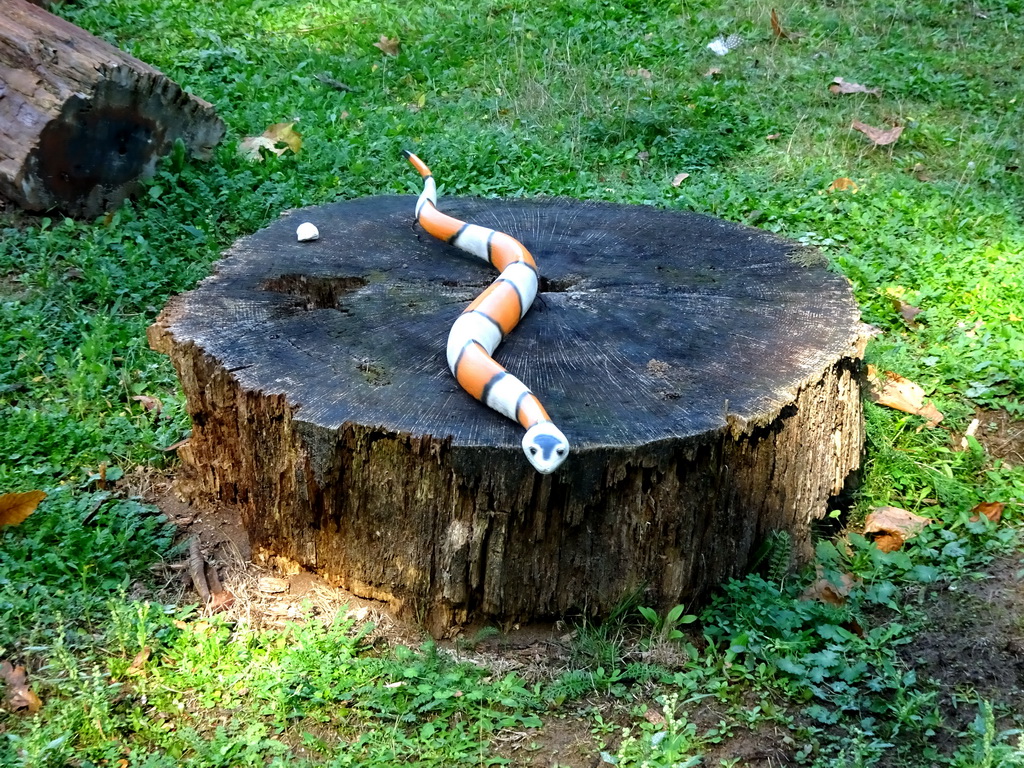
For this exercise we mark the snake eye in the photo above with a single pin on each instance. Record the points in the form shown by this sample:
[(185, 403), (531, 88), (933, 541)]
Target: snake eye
[(533, 450)]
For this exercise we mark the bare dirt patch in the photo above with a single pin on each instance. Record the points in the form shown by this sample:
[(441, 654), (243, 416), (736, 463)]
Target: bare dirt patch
[(263, 597), (1002, 435), (973, 645)]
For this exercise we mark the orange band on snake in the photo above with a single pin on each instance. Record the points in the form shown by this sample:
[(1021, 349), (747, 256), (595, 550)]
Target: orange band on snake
[(485, 322)]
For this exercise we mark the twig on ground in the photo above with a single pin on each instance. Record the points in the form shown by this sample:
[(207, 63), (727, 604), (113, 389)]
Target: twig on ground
[(196, 569)]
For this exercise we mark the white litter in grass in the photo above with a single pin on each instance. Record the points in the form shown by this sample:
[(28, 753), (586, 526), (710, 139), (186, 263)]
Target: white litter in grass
[(722, 44)]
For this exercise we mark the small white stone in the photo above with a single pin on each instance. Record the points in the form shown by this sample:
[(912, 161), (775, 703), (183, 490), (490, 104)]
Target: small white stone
[(307, 232)]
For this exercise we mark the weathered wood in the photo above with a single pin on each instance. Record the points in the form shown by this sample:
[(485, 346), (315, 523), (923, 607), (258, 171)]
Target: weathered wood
[(707, 378), (82, 122)]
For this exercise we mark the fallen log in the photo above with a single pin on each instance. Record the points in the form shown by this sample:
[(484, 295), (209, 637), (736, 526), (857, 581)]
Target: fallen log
[(81, 123), (706, 376)]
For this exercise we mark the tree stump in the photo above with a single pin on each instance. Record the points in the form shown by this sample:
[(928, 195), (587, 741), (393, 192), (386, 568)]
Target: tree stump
[(707, 375), (82, 122)]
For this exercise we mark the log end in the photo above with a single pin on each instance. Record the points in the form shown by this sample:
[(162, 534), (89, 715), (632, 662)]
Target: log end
[(96, 152), (82, 123)]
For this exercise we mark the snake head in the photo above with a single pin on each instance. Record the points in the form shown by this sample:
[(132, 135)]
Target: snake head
[(545, 447)]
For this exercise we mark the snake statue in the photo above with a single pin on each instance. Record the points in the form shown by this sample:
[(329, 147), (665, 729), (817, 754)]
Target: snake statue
[(485, 322)]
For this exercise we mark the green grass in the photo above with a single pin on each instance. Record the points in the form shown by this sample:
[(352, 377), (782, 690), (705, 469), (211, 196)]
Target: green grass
[(585, 98)]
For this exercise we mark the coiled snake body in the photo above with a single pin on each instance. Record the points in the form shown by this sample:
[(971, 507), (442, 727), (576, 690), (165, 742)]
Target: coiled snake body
[(485, 322)]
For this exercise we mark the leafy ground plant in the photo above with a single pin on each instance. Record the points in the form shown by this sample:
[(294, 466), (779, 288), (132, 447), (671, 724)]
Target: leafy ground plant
[(906, 660)]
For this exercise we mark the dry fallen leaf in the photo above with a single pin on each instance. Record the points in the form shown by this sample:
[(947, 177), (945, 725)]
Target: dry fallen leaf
[(220, 601), (826, 591), (931, 414), (149, 403), (840, 86), (777, 30), (891, 526), (271, 140), (653, 716), (285, 133), (920, 172), (679, 178), (907, 311), (250, 147), (19, 696), (15, 507), (388, 45), (993, 510), (902, 394), (880, 137), (773, 136), (888, 542), (713, 72), (843, 184), (139, 661)]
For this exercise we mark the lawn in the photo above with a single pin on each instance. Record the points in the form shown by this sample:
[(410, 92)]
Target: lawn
[(917, 657)]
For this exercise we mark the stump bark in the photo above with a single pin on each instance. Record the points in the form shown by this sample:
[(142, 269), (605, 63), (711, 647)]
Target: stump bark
[(707, 375), (81, 123)]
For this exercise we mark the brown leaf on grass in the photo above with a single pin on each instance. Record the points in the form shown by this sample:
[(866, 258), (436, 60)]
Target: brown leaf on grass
[(840, 86), (993, 510), (221, 601), (679, 178), (843, 184), (713, 72), (902, 394), (907, 311), (827, 591), (19, 695), (773, 136), (777, 30), (888, 542), (149, 403), (653, 716), (15, 507), (931, 414), (920, 172), (880, 137), (139, 661), (285, 133), (389, 46), (251, 148), (278, 138), (890, 527)]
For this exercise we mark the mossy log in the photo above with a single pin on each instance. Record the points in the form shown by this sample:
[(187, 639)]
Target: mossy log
[(81, 123), (707, 375)]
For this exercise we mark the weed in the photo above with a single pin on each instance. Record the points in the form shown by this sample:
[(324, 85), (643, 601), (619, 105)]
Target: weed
[(666, 628)]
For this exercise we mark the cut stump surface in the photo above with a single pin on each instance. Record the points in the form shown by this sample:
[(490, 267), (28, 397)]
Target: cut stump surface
[(706, 374)]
